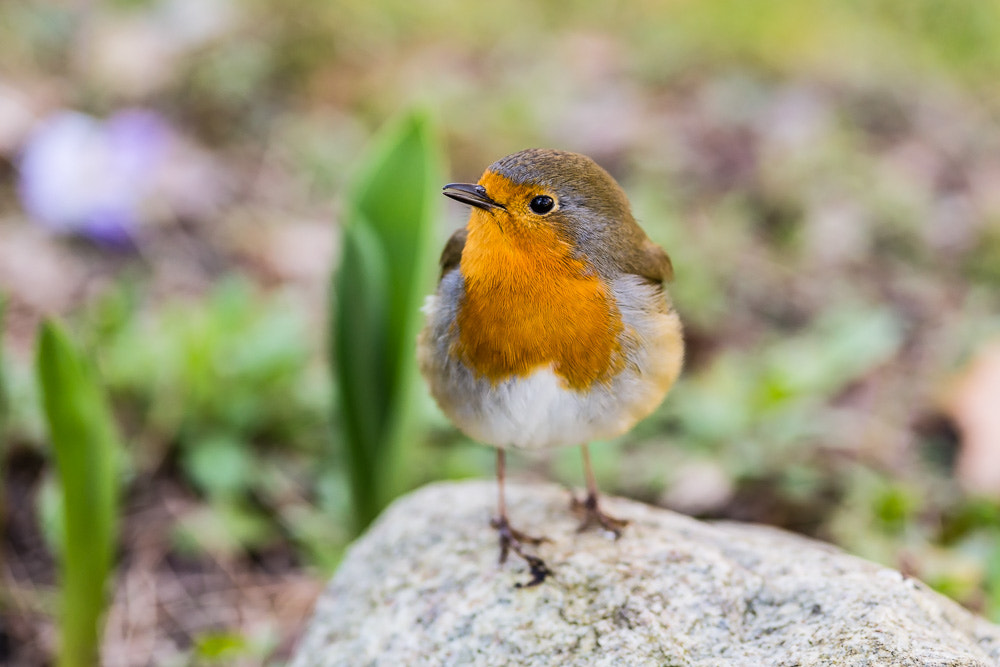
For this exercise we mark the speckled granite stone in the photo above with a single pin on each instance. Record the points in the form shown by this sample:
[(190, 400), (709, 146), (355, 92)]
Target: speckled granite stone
[(422, 587)]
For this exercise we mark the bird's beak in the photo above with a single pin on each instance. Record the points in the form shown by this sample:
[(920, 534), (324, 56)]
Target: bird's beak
[(473, 195)]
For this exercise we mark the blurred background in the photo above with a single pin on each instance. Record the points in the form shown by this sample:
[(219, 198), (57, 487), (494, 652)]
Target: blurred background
[(173, 175)]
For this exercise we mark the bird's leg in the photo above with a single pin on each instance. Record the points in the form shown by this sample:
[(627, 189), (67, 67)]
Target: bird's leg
[(512, 539), (589, 506)]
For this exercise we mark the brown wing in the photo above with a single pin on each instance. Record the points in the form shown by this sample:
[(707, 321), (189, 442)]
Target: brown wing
[(451, 256), (654, 263), (634, 253)]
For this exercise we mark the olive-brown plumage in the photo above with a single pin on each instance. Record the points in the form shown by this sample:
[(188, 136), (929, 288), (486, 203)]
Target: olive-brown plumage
[(550, 325)]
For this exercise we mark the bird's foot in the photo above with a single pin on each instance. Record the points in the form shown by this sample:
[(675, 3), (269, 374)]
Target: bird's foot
[(592, 515), (514, 540)]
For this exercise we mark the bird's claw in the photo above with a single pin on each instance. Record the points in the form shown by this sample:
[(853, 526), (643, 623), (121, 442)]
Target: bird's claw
[(592, 515), (512, 539)]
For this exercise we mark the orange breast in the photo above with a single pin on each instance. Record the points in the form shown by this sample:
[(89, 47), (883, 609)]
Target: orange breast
[(529, 303)]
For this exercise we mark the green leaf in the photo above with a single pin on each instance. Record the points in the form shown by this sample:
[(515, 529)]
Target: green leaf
[(398, 194), (360, 363), (223, 645), (85, 445), (382, 278), (229, 647)]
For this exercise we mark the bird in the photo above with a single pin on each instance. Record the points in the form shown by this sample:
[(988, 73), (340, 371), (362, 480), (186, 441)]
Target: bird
[(551, 324)]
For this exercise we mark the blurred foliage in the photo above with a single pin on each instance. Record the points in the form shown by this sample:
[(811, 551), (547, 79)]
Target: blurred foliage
[(380, 282), (769, 397), (229, 386), (822, 174), (86, 449), (4, 405), (230, 365), (227, 648), (4, 413)]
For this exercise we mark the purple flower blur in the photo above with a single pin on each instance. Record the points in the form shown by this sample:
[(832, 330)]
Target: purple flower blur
[(81, 176)]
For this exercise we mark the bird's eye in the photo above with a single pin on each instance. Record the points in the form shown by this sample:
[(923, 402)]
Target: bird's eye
[(542, 204)]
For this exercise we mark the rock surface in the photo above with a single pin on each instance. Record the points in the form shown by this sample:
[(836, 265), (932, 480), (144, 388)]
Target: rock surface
[(422, 587)]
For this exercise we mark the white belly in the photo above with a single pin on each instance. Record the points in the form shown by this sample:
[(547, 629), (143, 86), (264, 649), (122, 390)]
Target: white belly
[(539, 411)]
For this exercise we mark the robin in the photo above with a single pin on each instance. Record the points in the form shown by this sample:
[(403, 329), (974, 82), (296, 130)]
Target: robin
[(550, 325)]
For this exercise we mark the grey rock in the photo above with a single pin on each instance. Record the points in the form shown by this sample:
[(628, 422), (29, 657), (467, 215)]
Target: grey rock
[(423, 587)]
